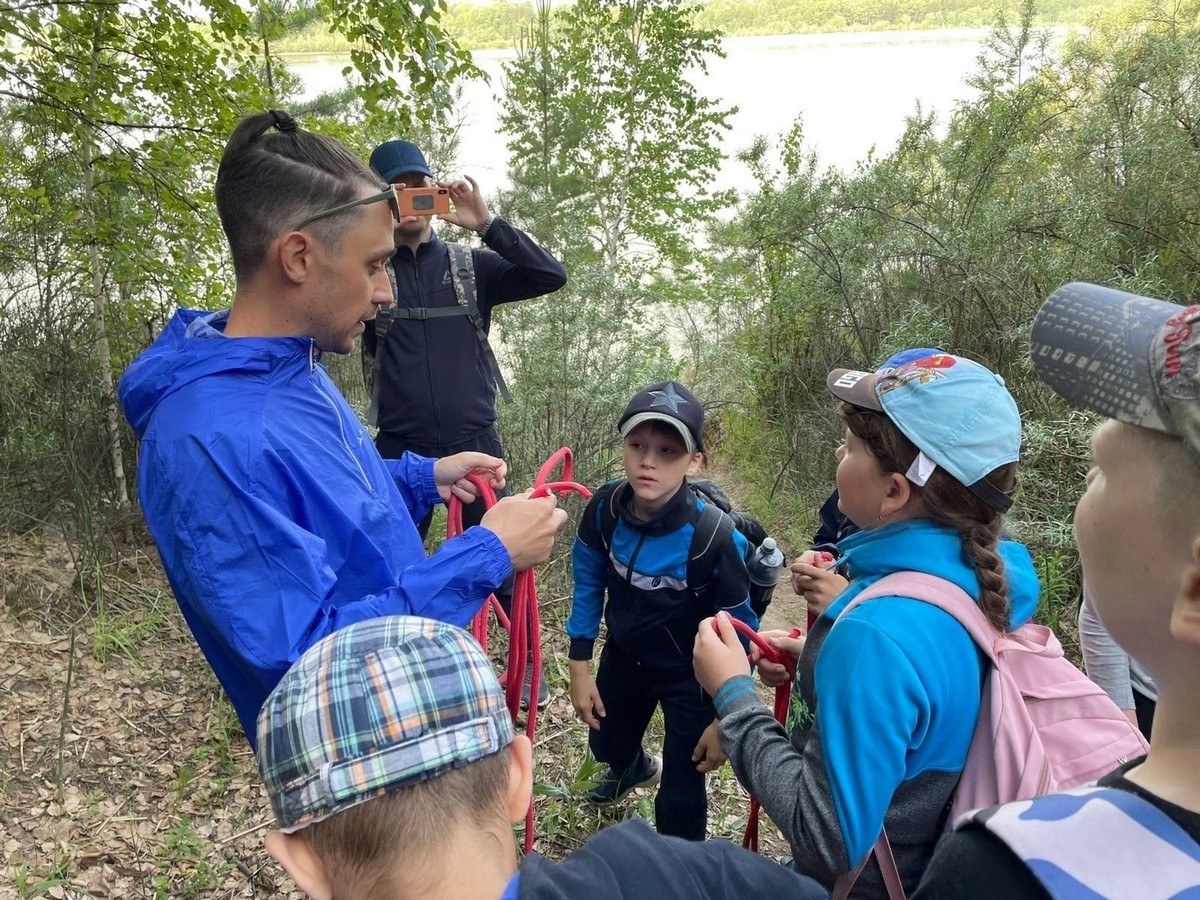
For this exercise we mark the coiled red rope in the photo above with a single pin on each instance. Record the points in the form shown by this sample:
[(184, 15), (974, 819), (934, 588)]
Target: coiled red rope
[(782, 698), (524, 623)]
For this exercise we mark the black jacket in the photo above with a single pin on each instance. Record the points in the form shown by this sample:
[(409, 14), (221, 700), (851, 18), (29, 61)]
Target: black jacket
[(632, 861), (436, 387)]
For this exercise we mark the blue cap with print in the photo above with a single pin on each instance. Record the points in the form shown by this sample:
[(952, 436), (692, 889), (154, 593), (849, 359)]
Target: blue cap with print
[(957, 413), (376, 706)]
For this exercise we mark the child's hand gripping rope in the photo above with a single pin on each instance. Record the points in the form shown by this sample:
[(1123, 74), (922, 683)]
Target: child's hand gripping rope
[(718, 656)]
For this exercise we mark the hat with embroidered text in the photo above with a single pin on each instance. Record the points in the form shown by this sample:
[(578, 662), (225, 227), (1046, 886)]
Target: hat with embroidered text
[(392, 158), (1128, 357), (669, 402), (378, 705), (957, 413)]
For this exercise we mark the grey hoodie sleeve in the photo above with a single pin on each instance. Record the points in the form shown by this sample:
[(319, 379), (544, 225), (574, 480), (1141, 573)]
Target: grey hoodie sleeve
[(792, 786)]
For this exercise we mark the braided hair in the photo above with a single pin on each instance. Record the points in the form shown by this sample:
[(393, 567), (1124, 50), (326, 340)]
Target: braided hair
[(948, 502), (272, 175)]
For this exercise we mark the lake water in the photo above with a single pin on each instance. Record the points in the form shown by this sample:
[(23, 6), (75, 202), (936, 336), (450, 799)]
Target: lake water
[(853, 91)]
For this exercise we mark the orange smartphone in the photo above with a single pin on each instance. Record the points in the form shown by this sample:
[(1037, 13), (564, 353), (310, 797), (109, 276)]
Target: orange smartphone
[(424, 201)]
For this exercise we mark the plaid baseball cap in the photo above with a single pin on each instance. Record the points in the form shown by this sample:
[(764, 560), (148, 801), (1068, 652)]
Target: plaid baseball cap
[(958, 413), (1128, 357), (670, 402), (376, 706)]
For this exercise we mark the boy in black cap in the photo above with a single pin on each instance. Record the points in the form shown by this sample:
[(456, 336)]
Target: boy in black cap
[(667, 560)]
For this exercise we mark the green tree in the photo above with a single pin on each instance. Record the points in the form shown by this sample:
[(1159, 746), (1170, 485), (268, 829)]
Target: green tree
[(602, 116), (612, 151)]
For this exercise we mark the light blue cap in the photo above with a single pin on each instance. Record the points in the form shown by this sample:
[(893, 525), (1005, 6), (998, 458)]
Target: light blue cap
[(958, 413)]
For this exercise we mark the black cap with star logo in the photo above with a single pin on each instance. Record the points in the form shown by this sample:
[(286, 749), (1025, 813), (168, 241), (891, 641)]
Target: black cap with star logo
[(669, 402)]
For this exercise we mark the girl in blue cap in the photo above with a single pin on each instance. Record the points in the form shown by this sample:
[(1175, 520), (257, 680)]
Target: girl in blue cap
[(885, 704)]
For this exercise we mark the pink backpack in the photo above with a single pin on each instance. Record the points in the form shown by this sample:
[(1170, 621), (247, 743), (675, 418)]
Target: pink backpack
[(1043, 725)]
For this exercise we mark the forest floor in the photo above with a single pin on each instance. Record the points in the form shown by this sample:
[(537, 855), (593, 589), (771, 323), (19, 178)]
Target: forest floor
[(124, 771)]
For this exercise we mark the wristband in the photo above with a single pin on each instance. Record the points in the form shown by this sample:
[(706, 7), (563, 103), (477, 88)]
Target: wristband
[(487, 223)]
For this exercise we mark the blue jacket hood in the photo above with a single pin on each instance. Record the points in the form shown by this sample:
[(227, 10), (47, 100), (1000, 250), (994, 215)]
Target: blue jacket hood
[(192, 346), (921, 545)]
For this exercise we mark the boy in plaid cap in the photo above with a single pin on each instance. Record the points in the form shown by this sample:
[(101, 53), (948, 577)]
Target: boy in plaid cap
[(1137, 833), (393, 770)]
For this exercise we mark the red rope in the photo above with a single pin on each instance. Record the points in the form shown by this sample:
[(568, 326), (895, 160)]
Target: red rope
[(782, 697), (524, 622)]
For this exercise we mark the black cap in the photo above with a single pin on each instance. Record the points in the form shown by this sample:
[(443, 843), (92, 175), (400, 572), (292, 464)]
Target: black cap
[(669, 402)]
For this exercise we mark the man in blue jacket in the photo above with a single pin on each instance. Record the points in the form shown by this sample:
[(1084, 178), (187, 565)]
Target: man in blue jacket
[(435, 377), (277, 520)]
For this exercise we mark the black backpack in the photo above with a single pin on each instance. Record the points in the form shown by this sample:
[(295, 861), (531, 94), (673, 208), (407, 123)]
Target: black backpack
[(715, 526)]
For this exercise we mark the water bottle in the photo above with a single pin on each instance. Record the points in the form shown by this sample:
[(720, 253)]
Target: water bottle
[(765, 566)]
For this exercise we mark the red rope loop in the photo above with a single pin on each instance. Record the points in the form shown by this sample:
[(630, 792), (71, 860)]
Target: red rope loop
[(524, 623)]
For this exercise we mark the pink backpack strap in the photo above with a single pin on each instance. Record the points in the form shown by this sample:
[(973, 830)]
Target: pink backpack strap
[(945, 595), (882, 851)]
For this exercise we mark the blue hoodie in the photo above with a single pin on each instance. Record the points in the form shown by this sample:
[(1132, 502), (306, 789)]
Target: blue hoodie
[(276, 518), (885, 706)]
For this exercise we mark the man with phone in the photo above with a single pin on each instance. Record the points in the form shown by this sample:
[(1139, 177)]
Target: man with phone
[(434, 375)]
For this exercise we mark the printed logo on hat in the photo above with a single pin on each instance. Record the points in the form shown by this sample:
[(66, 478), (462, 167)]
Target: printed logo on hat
[(1178, 355), (850, 379), (667, 397), (923, 371)]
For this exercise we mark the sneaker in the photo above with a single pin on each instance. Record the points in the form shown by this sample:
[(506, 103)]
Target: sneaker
[(645, 772), (543, 688)]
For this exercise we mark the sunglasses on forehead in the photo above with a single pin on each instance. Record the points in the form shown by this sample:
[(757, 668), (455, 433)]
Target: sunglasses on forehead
[(389, 194)]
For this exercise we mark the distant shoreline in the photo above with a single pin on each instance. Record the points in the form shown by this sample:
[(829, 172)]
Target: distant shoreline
[(813, 39)]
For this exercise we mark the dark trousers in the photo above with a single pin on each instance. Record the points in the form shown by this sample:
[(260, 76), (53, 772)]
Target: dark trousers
[(392, 447), (630, 692)]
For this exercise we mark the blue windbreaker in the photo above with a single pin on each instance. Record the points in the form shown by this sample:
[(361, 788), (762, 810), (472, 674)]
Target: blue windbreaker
[(277, 520)]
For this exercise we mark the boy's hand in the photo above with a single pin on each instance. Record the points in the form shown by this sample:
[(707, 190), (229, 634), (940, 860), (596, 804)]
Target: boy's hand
[(815, 582), (708, 753), (773, 674), (718, 657), (584, 696), (525, 527)]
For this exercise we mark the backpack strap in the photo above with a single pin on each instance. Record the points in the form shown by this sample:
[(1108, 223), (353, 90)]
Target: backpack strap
[(1080, 843), (606, 495), (945, 595), (462, 274), (892, 882), (712, 529)]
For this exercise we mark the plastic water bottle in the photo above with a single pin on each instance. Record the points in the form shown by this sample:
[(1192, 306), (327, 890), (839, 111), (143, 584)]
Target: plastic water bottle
[(765, 566)]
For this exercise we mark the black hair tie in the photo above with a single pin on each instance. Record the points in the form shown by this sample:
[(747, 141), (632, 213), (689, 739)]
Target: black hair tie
[(283, 122)]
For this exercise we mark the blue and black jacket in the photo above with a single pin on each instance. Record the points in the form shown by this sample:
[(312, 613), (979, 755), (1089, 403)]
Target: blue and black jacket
[(652, 612), (883, 711)]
